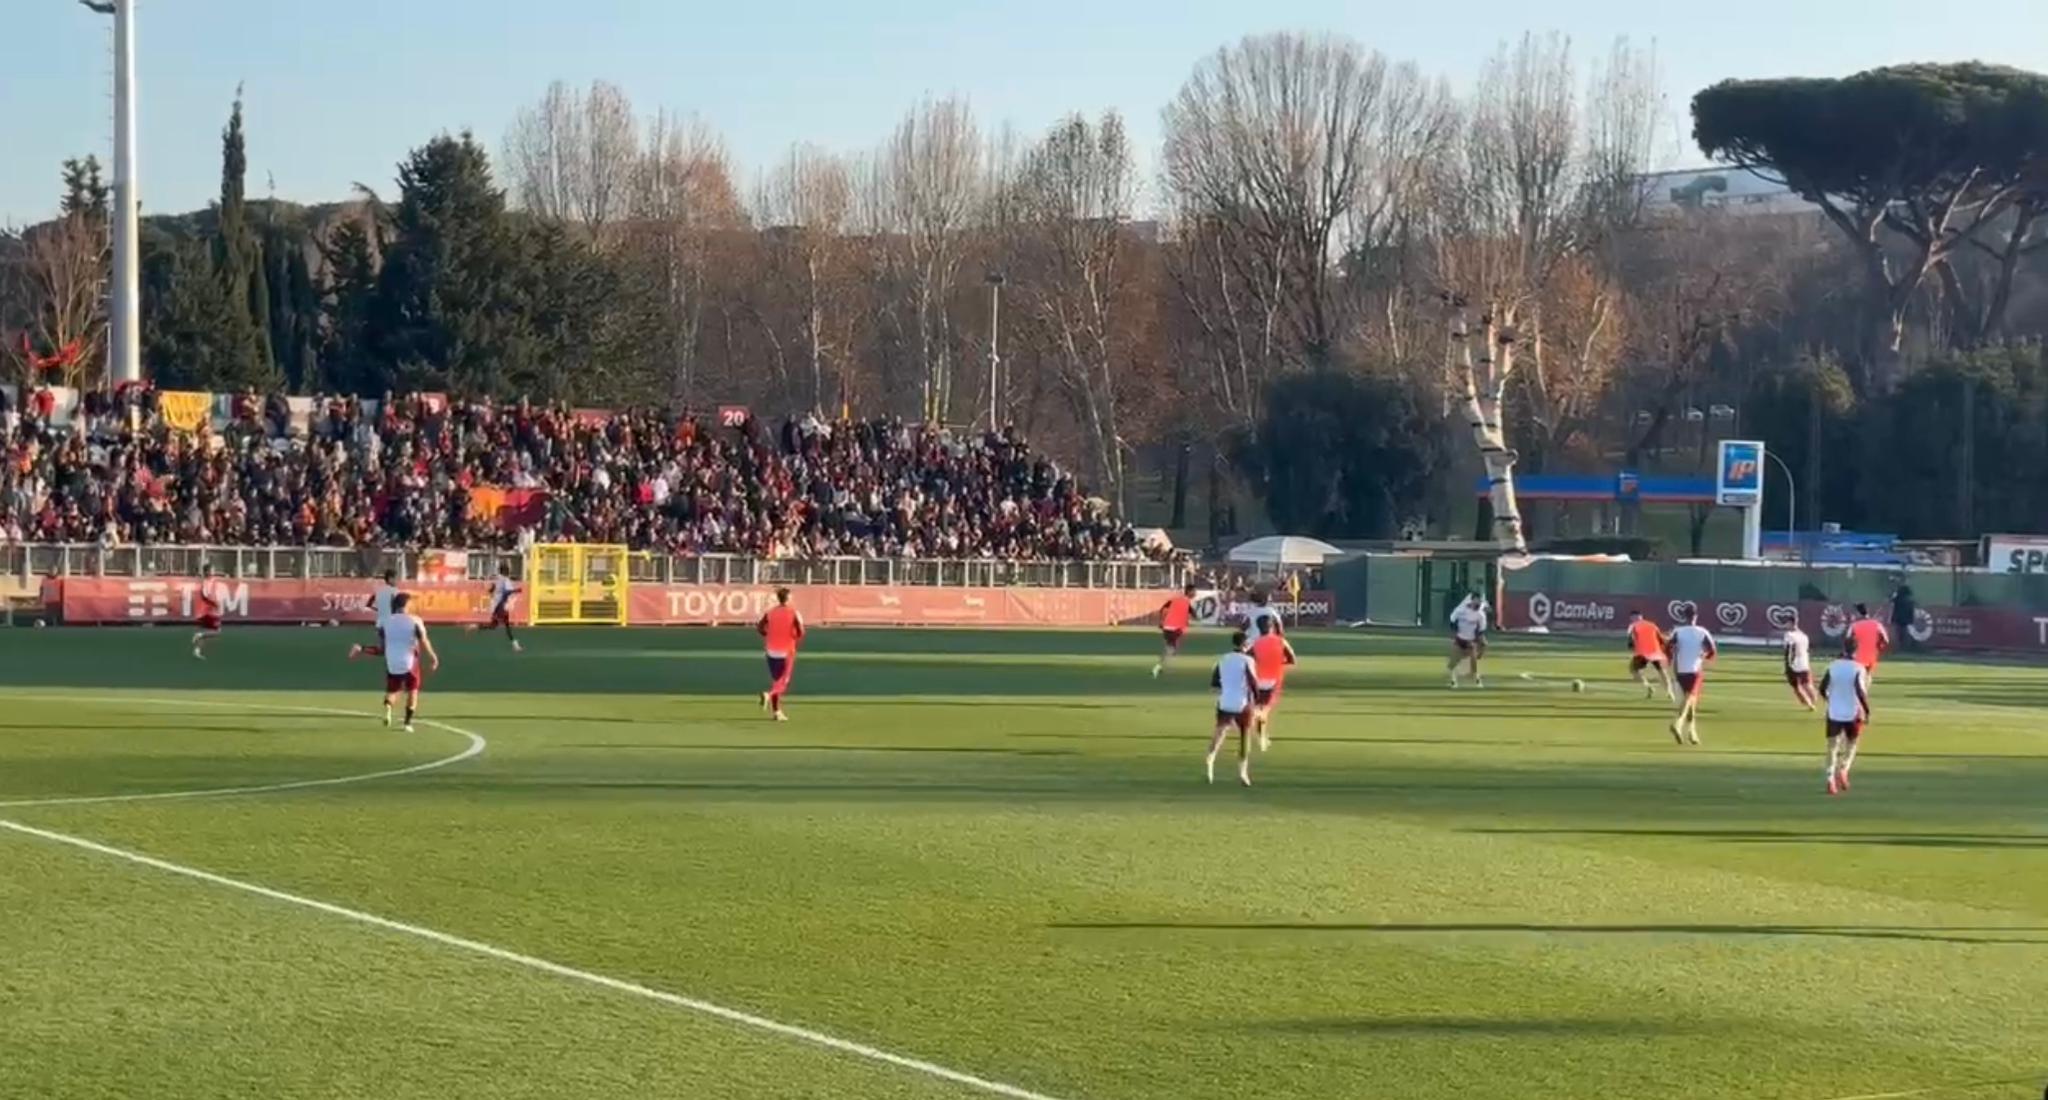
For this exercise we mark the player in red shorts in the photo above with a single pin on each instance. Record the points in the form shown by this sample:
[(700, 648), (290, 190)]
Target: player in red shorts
[(1692, 653), (782, 631), (1173, 626), (1236, 685), (402, 641), (1846, 687), (208, 622), (502, 591), (1271, 657)]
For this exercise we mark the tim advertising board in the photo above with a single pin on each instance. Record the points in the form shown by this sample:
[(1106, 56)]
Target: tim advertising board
[(2016, 553)]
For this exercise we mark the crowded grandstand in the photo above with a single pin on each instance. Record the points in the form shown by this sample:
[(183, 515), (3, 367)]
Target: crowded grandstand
[(424, 471)]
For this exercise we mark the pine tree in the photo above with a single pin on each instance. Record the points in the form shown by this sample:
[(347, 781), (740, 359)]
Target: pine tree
[(189, 318), (85, 190), (348, 354), (239, 263), (451, 311)]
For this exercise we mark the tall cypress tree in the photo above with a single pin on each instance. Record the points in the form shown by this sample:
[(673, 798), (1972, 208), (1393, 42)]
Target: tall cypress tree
[(237, 257)]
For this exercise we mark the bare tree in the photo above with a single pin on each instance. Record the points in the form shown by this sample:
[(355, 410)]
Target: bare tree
[(1074, 263), (1537, 180), (573, 158), (682, 198), (930, 177), (541, 153), (57, 279), (803, 207), (1284, 155)]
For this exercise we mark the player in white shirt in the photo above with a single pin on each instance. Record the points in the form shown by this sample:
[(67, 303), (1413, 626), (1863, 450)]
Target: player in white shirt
[(1236, 685), (502, 591), (1847, 687), (1262, 619), (380, 600), (1468, 639), (1799, 664), (1692, 653), (401, 641)]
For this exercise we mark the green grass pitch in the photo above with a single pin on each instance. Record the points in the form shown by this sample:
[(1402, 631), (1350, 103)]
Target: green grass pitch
[(993, 854)]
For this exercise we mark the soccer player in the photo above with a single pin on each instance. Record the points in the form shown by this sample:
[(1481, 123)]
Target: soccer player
[(1692, 651), (1468, 639), (208, 621), (1173, 625), (1270, 657), (1262, 619), (1846, 685), (1646, 651), (782, 631), (502, 591), (1236, 685), (380, 600), (1799, 664), (1872, 640), (401, 641)]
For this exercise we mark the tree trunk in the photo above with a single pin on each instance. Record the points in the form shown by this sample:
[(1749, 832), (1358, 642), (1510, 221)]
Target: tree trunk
[(1485, 379), (1181, 460)]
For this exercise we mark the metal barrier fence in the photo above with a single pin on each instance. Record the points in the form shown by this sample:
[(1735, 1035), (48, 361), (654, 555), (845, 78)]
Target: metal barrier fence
[(28, 562)]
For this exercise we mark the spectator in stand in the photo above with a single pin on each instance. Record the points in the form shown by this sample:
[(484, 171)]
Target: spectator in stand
[(408, 477)]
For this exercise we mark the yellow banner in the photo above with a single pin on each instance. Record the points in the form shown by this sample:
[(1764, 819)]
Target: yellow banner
[(184, 410)]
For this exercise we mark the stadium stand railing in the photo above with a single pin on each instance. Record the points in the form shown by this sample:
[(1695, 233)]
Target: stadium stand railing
[(28, 562)]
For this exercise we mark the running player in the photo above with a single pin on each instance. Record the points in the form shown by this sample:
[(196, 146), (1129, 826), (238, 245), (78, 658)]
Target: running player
[(782, 631), (1646, 651), (1799, 664), (1261, 620), (1270, 657), (1846, 685), (401, 641), (1173, 625), (1468, 639), (1236, 685), (208, 622), (502, 591), (380, 600), (1872, 640), (1692, 652)]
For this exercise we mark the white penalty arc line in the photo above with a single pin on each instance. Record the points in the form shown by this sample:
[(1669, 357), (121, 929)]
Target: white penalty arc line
[(619, 985), (477, 744)]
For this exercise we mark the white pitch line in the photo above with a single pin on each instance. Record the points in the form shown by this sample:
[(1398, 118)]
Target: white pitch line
[(477, 744), (707, 1008)]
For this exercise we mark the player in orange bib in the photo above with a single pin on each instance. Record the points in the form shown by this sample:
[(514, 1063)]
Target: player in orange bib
[(1872, 640), (1173, 625), (1271, 656), (1646, 651), (782, 631)]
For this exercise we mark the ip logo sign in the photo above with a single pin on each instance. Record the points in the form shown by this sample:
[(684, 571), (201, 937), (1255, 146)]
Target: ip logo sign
[(1741, 473)]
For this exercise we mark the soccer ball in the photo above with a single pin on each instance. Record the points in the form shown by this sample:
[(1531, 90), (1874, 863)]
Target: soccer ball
[(1579, 686)]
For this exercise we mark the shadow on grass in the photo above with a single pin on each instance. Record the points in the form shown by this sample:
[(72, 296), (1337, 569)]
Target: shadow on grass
[(1433, 1027), (1996, 841), (2029, 935), (769, 747)]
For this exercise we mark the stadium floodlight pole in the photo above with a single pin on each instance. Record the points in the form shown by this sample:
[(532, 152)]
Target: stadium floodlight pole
[(124, 346), (995, 323), (1791, 499)]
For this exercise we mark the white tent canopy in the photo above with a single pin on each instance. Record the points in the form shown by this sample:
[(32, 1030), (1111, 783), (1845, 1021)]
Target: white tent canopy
[(1283, 550)]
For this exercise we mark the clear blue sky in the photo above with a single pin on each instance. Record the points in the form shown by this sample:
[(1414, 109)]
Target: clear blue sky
[(337, 92)]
